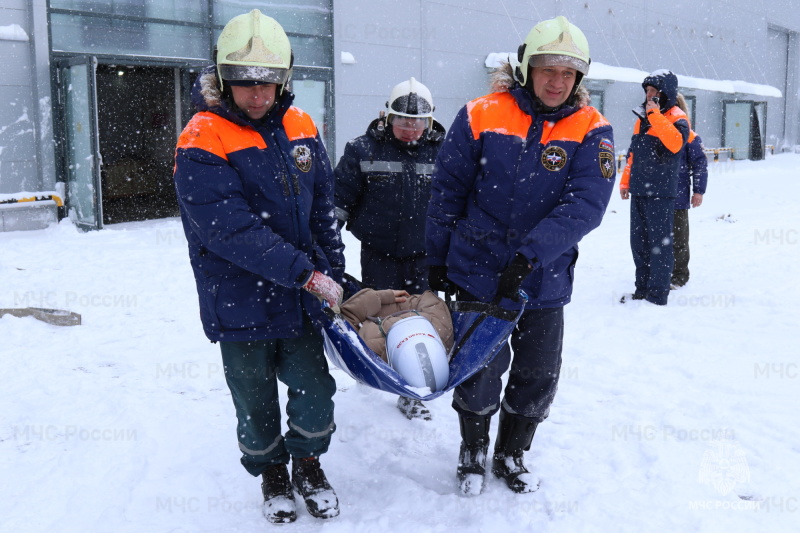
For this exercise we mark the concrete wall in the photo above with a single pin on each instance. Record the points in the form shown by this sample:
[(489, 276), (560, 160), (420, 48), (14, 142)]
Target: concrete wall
[(26, 145), (18, 169), (444, 43)]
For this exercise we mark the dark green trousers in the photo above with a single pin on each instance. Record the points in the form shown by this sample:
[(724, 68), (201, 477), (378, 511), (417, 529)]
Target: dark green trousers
[(680, 246), (252, 370)]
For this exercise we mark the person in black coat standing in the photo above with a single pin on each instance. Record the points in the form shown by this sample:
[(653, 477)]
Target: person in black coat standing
[(383, 185)]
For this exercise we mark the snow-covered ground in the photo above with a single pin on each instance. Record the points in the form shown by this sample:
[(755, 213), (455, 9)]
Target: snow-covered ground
[(682, 418)]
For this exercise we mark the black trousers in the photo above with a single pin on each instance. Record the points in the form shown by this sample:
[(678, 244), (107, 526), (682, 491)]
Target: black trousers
[(680, 232), (533, 375), (651, 245)]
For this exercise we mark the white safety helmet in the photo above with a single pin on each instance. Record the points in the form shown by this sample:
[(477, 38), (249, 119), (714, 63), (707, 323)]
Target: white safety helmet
[(410, 99), (416, 352)]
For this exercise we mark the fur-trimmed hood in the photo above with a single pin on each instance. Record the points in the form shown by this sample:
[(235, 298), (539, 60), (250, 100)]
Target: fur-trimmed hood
[(206, 94), (502, 80), (209, 88)]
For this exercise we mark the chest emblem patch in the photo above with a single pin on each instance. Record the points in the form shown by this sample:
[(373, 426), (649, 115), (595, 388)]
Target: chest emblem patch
[(554, 158), (302, 157)]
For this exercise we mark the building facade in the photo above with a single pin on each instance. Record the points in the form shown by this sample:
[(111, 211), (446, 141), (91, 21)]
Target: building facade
[(97, 91)]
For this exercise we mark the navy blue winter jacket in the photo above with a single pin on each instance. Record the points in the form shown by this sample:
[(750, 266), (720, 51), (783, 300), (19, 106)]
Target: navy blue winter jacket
[(383, 187), (256, 201), (510, 179), (654, 156), (693, 175)]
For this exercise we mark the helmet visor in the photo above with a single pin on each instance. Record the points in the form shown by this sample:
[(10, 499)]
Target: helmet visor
[(559, 60), (411, 105), (408, 123), (252, 73)]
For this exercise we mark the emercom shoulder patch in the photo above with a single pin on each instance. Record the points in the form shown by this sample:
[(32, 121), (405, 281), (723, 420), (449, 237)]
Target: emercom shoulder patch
[(607, 164)]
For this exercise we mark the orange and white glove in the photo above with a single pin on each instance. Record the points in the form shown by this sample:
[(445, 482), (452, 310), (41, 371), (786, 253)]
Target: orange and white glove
[(325, 289)]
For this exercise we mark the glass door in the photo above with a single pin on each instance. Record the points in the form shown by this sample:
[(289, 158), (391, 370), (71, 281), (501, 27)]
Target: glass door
[(82, 148)]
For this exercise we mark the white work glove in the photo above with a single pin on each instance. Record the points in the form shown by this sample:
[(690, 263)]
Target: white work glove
[(325, 289)]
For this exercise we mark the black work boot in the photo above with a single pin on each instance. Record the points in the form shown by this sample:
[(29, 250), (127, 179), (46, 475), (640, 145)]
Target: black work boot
[(514, 438), (413, 408), (472, 455), (278, 495), (630, 297), (310, 482)]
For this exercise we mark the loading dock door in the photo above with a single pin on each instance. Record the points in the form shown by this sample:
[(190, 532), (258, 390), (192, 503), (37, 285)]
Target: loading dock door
[(82, 148), (744, 128), (737, 128)]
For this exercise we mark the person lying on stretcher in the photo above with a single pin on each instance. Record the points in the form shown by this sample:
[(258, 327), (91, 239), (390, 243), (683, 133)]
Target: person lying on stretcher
[(417, 328)]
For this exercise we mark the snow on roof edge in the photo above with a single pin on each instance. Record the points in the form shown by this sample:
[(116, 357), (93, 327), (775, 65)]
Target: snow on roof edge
[(601, 71), (13, 32)]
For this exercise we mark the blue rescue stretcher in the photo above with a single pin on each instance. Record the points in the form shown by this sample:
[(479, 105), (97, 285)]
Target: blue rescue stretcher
[(479, 330)]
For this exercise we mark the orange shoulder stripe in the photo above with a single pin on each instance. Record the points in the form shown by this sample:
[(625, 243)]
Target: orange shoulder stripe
[(574, 127), (218, 136), (298, 124), (497, 112), (662, 126), (675, 113)]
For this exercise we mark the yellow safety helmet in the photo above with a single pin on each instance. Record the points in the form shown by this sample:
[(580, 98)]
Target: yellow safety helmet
[(252, 49), (554, 42)]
